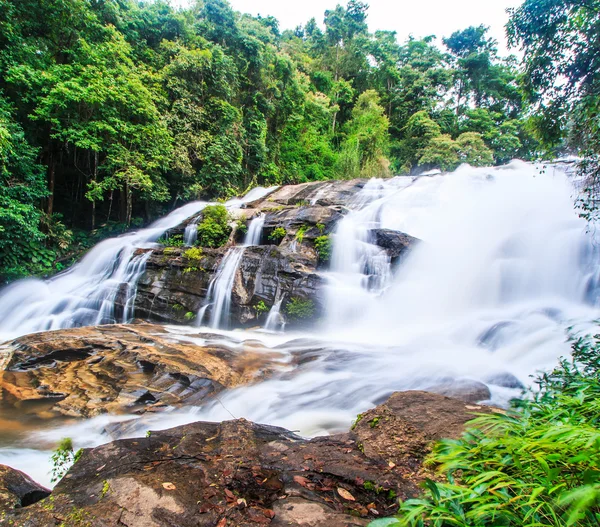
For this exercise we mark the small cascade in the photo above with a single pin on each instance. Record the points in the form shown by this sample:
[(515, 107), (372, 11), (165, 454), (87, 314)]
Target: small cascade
[(220, 289), (275, 321), (86, 293), (190, 235), (254, 234)]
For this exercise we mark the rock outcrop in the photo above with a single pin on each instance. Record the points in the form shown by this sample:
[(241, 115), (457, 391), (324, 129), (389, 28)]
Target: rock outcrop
[(18, 489), (117, 369), (284, 266), (242, 474)]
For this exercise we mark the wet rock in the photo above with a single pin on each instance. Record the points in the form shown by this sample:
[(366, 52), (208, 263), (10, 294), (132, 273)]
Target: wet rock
[(466, 390), (242, 474), (401, 430), (87, 371), (505, 380), (395, 243), (18, 489)]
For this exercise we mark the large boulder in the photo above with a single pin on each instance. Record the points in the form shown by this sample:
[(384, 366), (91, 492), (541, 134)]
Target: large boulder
[(88, 371), (242, 474), (18, 489)]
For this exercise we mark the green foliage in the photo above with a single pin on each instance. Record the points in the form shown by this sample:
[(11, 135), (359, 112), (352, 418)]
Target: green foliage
[(277, 234), (189, 316), (300, 309), (63, 457), (300, 233), (242, 227), (535, 465), (323, 248), (193, 254), (261, 308), (214, 229), (472, 150), (441, 152), (172, 241)]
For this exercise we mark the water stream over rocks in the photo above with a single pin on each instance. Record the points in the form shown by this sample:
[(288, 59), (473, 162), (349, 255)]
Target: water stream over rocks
[(504, 267)]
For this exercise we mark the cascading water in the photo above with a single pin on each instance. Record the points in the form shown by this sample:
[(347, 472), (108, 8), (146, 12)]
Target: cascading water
[(275, 321), (87, 292), (505, 266), (220, 289)]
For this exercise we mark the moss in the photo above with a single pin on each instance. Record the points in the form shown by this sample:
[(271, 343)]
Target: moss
[(321, 228), (300, 309), (177, 307), (323, 248), (105, 489), (374, 422), (358, 420), (193, 254), (189, 316), (277, 234)]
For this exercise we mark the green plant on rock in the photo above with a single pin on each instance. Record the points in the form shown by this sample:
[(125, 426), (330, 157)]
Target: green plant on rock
[(63, 457), (261, 308), (178, 307), (323, 248), (172, 241), (241, 226), (277, 234), (214, 229), (321, 227), (194, 254), (300, 309), (536, 465), (300, 233), (189, 316)]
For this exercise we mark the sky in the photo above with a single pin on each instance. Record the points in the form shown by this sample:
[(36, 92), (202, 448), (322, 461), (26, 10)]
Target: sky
[(417, 17)]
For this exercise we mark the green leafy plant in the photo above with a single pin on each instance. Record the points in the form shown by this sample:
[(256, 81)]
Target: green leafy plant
[(189, 316), (538, 464), (63, 457), (214, 229), (172, 241), (277, 234), (300, 233), (323, 248), (241, 226), (300, 309), (193, 254), (261, 308)]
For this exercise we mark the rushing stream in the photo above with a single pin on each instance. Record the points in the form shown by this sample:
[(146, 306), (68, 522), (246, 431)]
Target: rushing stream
[(505, 266)]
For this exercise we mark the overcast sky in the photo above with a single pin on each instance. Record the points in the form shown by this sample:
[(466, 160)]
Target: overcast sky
[(406, 17)]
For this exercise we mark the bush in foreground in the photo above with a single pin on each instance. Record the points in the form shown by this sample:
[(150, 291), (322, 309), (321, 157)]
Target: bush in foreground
[(537, 465)]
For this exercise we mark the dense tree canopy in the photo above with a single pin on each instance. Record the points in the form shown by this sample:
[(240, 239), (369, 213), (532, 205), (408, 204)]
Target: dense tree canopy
[(114, 111)]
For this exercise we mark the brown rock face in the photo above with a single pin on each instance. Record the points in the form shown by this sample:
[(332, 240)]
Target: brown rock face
[(87, 371), (18, 489), (241, 474)]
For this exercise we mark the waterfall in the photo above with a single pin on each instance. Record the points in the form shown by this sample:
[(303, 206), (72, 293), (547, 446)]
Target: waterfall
[(275, 321), (190, 235), (255, 229), (86, 293)]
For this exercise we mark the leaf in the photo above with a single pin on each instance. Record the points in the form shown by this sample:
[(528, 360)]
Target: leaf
[(169, 486), (345, 494)]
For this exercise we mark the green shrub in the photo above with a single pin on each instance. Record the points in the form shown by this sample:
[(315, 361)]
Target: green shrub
[(323, 248), (214, 229), (189, 316), (300, 309), (63, 457), (300, 233), (536, 465), (261, 308), (241, 226), (277, 234), (172, 241), (193, 254)]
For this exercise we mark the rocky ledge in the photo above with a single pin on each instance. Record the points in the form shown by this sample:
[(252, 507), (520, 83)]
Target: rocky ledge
[(243, 474), (119, 369), (285, 268)]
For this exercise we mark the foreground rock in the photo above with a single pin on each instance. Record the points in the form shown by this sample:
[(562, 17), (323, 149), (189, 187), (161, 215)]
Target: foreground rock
[(240, 474), (87, 371), (18, 489)]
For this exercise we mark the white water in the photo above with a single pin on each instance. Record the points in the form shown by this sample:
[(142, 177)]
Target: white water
[(220, 289), (504, 268), (275, 321), (85, 294)]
